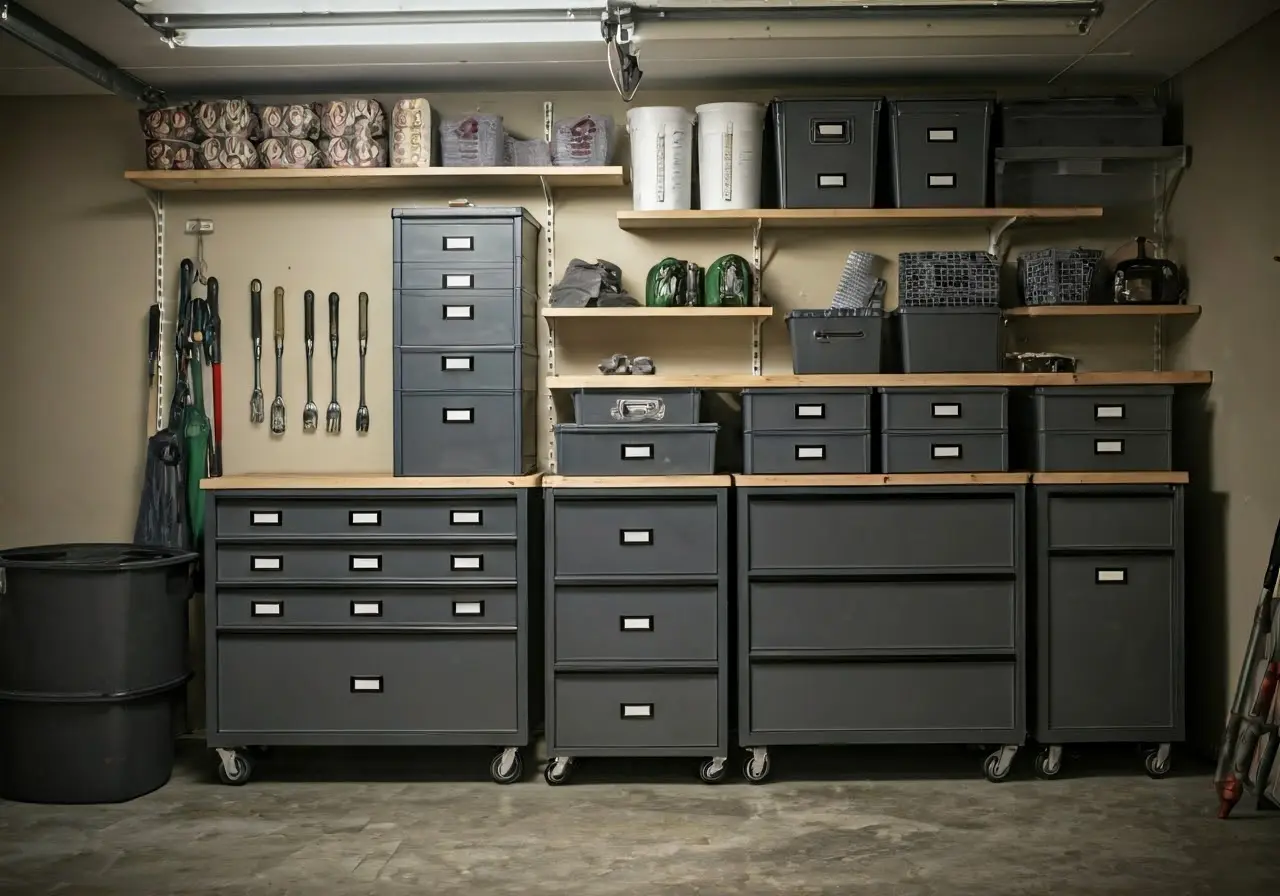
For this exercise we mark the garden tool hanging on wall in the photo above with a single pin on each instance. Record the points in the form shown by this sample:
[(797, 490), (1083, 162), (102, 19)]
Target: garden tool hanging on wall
[(213, 354), (196, 431)]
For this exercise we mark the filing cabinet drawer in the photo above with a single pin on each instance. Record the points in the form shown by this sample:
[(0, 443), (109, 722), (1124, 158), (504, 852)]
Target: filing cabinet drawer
[(806, 452), (945, 452), (459, 278), (456, 243), (1104, 409), (636, 710), (465, 433), (262, 564), (1115, 521), (910, 615), (355, 608), (788, 410), (635, 536), (466, 369), (374, 683), (1103, 452), (284, 517), (633, 624), (892, 532), (943, 410), (468, 318)]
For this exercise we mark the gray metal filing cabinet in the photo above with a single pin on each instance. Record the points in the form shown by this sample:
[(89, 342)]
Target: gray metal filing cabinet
[(637, 587), (371, 611), (465, 341), (873, 613), (1108, 616)]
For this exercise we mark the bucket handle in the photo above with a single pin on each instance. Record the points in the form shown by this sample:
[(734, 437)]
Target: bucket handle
[(824, 336)]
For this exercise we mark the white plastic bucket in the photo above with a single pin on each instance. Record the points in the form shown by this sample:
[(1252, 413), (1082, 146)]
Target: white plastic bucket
[(661, 158), (730, 142)]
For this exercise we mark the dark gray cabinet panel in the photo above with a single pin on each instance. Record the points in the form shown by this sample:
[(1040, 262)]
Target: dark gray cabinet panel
[(1104, 409), (636, 710), (945, 452), (805, 452), (465, 433), (445, 242), (942, 410), (637, 624), (466, 369), (651, 537), (356, 607), (277, 516), (432, 318), (1112, 520), (789, 410), (1111, 452), (278, 562), (457, 279)]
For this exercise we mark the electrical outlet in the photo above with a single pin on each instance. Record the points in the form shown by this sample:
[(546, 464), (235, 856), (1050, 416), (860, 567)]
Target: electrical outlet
[(199, 227)]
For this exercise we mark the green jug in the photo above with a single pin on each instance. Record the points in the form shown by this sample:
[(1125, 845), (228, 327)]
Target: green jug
[(665, 284), (727, 283)]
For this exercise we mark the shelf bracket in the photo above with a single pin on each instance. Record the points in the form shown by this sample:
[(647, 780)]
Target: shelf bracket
[(1157, 344), (156, 201), (999, 245), (757, 263), (549, 247)]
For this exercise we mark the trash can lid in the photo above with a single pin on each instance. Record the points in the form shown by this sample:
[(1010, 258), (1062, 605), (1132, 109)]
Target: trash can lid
[(93, 557)]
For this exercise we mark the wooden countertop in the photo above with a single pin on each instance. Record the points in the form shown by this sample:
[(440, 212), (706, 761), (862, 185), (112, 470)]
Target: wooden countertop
[(637, 481), (275, 481), (886, 479), (1136, 478)]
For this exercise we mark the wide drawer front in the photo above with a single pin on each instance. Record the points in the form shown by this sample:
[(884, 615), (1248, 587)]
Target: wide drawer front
[(636, 710), (636, 624), (1125, 521), (619, 537), (1075, 452), (883, 697), (944, 409), (274, 517), (456, 278), (347, 683), (450, 243), (883, 617), (1102, 409), (467, 370), (945, 452), (806, 452), (869, 532), (787, 410), (354, 563), (441, 318), (355, 608)]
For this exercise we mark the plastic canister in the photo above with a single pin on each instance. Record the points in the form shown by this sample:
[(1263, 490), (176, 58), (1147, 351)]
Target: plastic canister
[(661, 158), (730, 142)]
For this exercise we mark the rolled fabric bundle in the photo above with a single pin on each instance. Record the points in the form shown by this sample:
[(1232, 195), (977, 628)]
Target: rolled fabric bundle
[(288, 152), (586, 140), (299, 120), (172, 155), (350, 117), (226, 118), (412, 134), (168, 123), (228, 152), (360, 151)]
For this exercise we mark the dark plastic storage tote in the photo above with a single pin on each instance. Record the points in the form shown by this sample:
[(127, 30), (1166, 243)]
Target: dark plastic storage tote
[(93, 655), (941, 152), (950, 340), (835, 340), (825, 152), (1083, 121)]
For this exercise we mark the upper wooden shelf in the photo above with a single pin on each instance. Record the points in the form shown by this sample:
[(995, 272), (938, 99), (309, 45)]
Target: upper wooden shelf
[(841, 217), (1104, 311), (373, 178), (615, 312), (731, 382)]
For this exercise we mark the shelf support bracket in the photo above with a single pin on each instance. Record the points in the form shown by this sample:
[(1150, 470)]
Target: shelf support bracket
[(999, 245), (757, 295), (1157, 344), (549, 247), (156, 201)]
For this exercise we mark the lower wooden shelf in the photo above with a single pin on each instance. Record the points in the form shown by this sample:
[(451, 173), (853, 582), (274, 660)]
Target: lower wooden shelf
[(731, 382)]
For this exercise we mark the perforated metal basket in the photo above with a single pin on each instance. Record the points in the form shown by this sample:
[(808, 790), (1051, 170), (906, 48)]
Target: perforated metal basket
[(1059, 276), (948, 279)]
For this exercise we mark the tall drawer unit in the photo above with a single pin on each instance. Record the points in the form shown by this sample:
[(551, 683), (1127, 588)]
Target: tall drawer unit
[(1104, 429), (875, 613), (944, 430), (637, 620), (797, 431), (465, 343), (1109, 617), (372, 611)]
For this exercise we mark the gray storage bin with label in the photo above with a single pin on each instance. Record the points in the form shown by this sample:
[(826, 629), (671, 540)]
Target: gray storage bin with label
[(1102, 429), (950, 340), (945, 430), (836, 340), (1082, 121), (608, 406), (635, 449), (825, 152), (1083, 176), (465, 433), (796, 431), (941, 152)]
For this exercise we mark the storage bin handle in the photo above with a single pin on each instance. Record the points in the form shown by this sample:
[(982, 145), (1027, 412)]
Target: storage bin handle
[(824, 336), (941, 135), (942, 181), (628, 409)]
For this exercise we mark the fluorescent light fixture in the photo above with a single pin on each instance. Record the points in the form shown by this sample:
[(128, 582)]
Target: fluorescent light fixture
[(219, 8), (389, 35)]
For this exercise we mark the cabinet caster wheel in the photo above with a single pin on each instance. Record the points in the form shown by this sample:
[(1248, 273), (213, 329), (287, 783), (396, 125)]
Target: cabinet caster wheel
[(997, 767), (713, 771), (756, 768), (1157, 764), (507, 767), (557, 772), (1047, 766), (239, 773)]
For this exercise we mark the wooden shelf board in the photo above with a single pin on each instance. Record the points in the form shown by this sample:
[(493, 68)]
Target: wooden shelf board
[(373, 178), (550, 481), (841, 217), (1133, 478), (882, 479), (273, 481), (731, 382), (615, 312), (1104, 311)]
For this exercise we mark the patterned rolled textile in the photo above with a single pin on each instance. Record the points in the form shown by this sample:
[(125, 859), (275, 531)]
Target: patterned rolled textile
[(351, 117), (300, 121), (412, 134), (168, 123), (226, 118), (360, 151), (172, 155), (288, 152), (228, 152)]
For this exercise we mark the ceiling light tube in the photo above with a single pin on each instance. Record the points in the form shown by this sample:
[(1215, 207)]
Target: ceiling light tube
[(219, 8), (419, 35)]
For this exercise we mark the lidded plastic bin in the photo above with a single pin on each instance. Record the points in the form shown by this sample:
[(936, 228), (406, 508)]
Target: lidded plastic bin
[(1083, 121), (941, 152), (836, 340), (950, 339)]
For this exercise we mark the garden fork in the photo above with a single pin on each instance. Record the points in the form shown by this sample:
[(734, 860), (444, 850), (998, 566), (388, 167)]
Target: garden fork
[(333, 416)]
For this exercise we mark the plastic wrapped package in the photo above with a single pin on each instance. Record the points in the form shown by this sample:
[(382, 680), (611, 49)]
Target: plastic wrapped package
[(172, 155), (226, 118), (352, 118), (412, 134), (299, 120), (586, 140), (526, 153), (168, 123), (288, 152), (360, 151), (475, 142), (228, 152)]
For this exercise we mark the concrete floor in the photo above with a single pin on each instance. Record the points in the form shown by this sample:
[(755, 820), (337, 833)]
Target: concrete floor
[(902, 822)]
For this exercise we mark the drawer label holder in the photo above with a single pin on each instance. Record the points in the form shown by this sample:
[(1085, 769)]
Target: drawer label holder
[(831, 181), (458, 281), (811, 412), (367, 563), (458, 415), (267, 564), (458, 244), (637, 452), (468, 608), (466, 562), (811, 452), (269, 608), (453, 363), (266, 518), (942, 135), (364, 518), (459, 312), (366, 608), (635, 623), (1108, 446), (1111, 576), (635, 536), (945, 452), (366, 684), (945, 410), (942, 181), (1108, 412), (637, 710)]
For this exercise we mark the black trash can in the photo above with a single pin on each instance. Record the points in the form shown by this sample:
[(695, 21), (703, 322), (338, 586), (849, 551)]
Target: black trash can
[(93, 656)]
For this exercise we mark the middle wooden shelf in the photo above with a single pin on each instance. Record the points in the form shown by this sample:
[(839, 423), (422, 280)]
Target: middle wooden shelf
[(731, 382), (634, 311)]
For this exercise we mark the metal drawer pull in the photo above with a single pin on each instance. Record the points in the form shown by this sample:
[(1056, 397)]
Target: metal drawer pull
[(466, 517), (1108, 412), (831, 181), (366, 684), (945, 452), (266, 608), (366, 608), (361, 564), (1111, 576), (364, 518), (459, 415), (635, 536), (637, 710), (459, 312), (811, 411), (459, 243), (265, 518), (942, 135), (947, 181), (1108, 446), (464, 363), (267, 564), (471, 561), (458, 281), (811, 452), (637, 623), (637, 452), (468, 608), (946, 410)]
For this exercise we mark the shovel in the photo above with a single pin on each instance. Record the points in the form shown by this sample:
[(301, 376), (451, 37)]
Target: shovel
[(213, 353)]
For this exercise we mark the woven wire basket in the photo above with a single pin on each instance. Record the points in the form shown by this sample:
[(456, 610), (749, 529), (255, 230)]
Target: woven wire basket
[(948, 279), (1059, 276)]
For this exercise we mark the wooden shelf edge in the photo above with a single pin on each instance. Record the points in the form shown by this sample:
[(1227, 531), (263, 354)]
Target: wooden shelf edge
[(622, 312), (1104, 311), (1132, 478), (735, 382), (721, 481), (282, 481), (654, 220), (881, 479), (370, 178)]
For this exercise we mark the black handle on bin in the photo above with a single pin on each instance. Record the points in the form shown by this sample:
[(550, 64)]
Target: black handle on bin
[(824, 336)]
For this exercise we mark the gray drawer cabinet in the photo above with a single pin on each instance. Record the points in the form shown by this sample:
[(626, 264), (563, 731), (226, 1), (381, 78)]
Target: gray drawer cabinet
[(637, 621), (881, 614), (1108, 619), (372, 616)]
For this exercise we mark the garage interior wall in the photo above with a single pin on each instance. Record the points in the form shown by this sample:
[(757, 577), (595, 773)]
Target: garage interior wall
[(76, 279)]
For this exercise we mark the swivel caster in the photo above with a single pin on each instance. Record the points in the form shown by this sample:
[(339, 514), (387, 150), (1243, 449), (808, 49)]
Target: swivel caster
[(234, 767), (1158, 763), (713, 771), (507, 767), (557, 771), (999, 764), (1049, 763), (756, 768)]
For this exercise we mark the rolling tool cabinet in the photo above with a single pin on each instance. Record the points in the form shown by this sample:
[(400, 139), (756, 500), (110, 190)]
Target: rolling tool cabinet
[(637, 624), (371, 611), (881, 610), (1108, 614)]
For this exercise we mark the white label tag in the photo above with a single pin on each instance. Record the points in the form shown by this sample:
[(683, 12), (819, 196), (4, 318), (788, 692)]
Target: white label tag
[(1109, 412), (946, 410), (830, 130), (465, 518), (274, 608), (1111, 575), (942, 180), (458, 281), (457, 312), (942, 135), (268, 563), (831, 180), (637, 452), (366, 518), (457, 415), (366, 685), (637, 536), (462, 363), (370, 608), (637, 624), (264, 518), (466, 562), (363, 563), (811, 452), (811, 410), (457, 243), (1108, 447), (467, 608), (637, 710), (941, 452)]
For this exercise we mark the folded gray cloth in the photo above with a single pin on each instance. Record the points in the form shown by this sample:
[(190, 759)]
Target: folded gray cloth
[(586, 284)]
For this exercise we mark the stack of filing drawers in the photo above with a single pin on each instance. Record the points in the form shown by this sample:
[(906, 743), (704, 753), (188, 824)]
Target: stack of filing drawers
[(881, 615), (636, 432), (945, 430), (798, 431), (465, 345), (1102, 429), (637, 622), (369, 617)]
